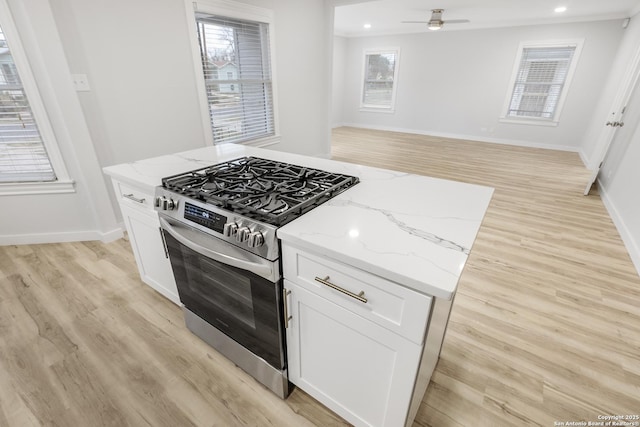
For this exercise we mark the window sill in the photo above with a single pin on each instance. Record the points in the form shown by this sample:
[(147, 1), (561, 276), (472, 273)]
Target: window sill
[(377, 110), (530, 121), (262, 142), (27, 188)]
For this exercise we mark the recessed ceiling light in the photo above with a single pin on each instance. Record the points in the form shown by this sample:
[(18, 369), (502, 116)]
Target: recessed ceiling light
[(367, 26), (560, 9)]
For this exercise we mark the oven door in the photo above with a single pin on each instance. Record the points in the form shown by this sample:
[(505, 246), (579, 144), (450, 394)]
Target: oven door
[(235, 291)]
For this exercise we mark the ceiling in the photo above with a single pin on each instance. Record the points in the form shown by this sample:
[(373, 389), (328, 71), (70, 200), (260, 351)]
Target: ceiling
[(385, 16)]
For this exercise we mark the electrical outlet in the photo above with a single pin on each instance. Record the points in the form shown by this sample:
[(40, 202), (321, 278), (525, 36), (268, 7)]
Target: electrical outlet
[(80, 82)]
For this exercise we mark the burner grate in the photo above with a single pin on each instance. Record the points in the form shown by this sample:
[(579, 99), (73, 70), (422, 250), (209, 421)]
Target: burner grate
[(267, 190)]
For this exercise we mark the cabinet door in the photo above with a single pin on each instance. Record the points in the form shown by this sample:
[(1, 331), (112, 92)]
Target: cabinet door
[(360, 370), (149, 249)]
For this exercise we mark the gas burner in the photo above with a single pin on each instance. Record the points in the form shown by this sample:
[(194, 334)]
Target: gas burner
[(265, 190)]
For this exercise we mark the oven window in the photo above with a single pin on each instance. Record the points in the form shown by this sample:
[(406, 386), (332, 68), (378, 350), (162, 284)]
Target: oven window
[(239, 303), (221, 287)]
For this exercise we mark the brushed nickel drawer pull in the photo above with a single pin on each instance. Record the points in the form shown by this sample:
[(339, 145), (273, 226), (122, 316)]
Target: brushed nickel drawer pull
[(359, 296), (132, 197)]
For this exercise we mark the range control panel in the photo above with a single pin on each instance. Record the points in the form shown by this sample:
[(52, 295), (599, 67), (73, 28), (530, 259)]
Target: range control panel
[(204, 217)]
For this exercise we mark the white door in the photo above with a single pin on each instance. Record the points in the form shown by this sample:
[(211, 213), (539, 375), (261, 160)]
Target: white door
[(615, 121), (622, 139)]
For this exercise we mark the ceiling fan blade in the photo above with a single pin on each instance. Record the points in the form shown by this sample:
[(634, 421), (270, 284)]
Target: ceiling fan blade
[(414, 22), (456, 21)]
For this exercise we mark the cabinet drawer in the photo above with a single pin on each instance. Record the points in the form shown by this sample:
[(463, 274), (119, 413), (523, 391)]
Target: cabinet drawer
[(388, 304), (132, 196)]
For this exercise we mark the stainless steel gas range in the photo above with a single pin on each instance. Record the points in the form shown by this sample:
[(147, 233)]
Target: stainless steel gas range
[(219, 227)]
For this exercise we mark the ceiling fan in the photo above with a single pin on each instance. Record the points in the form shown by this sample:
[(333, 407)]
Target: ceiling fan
[(436, 22)]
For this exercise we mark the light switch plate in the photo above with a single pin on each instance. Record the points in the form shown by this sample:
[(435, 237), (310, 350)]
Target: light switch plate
[(80, 82)]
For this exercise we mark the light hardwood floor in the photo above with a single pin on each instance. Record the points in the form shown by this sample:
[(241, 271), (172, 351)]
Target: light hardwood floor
[(545, 326)]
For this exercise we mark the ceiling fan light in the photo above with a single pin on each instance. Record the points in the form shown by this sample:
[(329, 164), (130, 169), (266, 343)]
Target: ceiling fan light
[(434, 26)]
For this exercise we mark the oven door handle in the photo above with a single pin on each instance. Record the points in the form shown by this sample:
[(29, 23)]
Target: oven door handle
[(262, 268)]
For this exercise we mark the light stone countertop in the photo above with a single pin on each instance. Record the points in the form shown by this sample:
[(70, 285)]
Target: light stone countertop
[(410, 229)]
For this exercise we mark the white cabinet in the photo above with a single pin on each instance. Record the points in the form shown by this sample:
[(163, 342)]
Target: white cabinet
[(143, 228), (363, 372), (360, 359)]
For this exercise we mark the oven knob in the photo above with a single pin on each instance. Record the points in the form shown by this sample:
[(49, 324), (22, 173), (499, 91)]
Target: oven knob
[(158, 201), (230, 229), (243, 234), (162, 203), (172, 204), (256, 239)]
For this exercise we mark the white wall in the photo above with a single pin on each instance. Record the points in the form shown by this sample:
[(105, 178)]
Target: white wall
[(304, 33), (137, 58), (339, 75), (144, 103), (619, 178), (455, 83), (85, 214)]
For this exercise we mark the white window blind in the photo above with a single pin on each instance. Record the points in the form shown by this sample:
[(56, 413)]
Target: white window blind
[(540, 81), (379, 77), (23, 157), (237, 72)]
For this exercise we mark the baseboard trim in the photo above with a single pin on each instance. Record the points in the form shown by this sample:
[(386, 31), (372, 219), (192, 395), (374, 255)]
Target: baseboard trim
[(322, 155), (633, 248), (584, 159), (112, 235), (519, 143), (70, 236)]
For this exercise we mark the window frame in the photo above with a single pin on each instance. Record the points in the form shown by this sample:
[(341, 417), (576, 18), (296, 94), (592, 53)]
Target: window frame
[(63, 182), (380, 108), (541, 121), (241, 11)]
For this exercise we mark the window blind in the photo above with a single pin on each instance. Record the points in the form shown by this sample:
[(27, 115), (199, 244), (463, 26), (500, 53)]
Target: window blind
[(378, 80), (539, 81), (23, 157), (237, 72)]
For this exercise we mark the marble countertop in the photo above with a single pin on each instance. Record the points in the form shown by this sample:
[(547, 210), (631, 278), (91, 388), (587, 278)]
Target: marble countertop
[(414, 230)]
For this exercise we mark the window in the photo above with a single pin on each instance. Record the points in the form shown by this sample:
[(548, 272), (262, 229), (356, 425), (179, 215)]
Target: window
[(23, 157), (541, 78), (30, 161), (380, 74), (234, 54)]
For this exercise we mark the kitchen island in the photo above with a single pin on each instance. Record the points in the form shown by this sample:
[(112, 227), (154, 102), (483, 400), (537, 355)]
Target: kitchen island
[(370, 276)]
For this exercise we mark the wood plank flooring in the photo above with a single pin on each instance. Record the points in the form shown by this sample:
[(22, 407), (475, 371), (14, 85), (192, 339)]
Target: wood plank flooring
[(546, 323), (545, 326)]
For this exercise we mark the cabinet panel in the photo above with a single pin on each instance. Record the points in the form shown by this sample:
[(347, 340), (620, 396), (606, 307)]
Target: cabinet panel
[(149, 250), (363, 372), (389, 304)]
